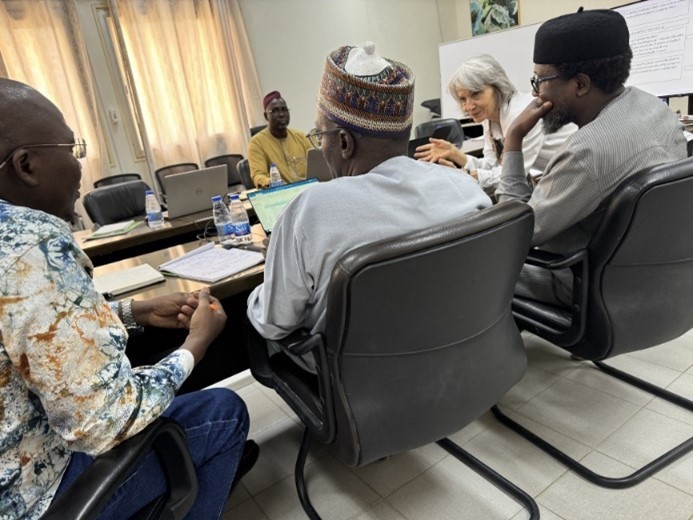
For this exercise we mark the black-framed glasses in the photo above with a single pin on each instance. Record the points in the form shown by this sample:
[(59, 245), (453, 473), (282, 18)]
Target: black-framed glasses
[(79, 149), (278, 110), (537, 81), (315, 135)]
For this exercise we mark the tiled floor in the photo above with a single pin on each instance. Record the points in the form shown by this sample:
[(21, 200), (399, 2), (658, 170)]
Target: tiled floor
[(610, 426)]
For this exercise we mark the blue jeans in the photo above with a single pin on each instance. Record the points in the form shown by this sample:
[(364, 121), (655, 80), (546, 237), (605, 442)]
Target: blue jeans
[(216, 424)]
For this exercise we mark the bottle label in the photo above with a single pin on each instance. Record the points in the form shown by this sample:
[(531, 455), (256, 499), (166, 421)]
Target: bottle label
[(154, 216), (241, 229), (228, 229)]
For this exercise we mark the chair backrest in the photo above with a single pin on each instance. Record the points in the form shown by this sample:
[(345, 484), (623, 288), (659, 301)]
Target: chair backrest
[(448, 129), (244, 173), (231, 161), (640, 291), (117, 179), (162, 173), (419, 335), (116, 202), (255, 129)]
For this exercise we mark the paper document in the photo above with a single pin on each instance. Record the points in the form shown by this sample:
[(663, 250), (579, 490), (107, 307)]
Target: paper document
[(210, 263), (119, 282), (117, 228)]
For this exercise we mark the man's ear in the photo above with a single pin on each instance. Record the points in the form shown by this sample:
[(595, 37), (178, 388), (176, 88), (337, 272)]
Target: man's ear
[(584, 83), (22, 162), (266, 118), (347, 144)]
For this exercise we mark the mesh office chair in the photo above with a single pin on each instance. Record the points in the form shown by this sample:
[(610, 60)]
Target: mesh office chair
[(231, 161), (419, 341), (448, 129), (116, 202), (117, 179), (632, 289), (244, 174), (164, 172), (90, 492)]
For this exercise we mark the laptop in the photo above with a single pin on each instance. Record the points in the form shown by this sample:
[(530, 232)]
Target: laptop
[(190, 192), (316, 166), (268, 204)]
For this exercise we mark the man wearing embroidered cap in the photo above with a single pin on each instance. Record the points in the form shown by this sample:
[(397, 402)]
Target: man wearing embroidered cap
[(581, 62), (363, 124), (277, 144)]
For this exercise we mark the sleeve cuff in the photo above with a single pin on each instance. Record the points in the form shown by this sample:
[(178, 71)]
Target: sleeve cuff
[(187, 361)]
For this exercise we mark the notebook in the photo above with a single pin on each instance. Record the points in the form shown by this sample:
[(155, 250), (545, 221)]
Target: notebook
[(126, 280), (316, 166), (190, 192), (211, 263), (115, 229), (268, 204)]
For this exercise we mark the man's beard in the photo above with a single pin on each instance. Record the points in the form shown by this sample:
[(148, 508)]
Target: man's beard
[(555, 119)]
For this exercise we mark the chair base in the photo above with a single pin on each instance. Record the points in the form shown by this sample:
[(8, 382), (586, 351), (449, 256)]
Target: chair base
[(627, 481), (492, 476), (452, 448)]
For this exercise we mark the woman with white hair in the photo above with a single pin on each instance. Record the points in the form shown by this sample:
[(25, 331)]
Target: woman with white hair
[(482, 89)]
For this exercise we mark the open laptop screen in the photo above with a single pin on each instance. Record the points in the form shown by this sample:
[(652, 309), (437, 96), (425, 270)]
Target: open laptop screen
[(268, 204)]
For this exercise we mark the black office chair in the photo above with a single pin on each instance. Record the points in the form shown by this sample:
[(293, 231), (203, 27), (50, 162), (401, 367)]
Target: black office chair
[(632, 289), (116, 202), (231, 161), (164, 172), (244, 174), (117, 179), (419, 341), (255, 129), (90, 492), (433, 105), (448, 129)]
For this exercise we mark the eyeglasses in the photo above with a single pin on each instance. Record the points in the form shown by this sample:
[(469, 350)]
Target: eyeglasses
[(537, 81), (315, 135), (79, 149), (278, 110)]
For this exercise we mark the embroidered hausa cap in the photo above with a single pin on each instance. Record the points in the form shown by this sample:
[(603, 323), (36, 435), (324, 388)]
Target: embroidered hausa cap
[(269, 98), (581, 36), (366, 93)]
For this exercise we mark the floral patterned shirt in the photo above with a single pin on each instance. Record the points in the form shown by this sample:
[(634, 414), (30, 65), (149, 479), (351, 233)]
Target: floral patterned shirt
[(65, 382)]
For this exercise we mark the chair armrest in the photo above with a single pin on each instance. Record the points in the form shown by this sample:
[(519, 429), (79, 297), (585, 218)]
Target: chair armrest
[(535, 321), (552, 260), (299, 342), (90, 492)]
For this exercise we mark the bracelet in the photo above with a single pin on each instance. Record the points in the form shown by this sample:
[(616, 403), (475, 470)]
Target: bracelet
[(125, 314)]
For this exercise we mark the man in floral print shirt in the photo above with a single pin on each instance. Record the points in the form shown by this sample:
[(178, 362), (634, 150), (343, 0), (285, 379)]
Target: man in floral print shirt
[(68, 391)]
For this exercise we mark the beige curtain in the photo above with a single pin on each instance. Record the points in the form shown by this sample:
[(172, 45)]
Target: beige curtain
[(40, 46), (193, 75)]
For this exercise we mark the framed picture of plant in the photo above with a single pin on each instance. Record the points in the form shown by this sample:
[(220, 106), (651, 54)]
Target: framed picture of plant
[(493, 15)]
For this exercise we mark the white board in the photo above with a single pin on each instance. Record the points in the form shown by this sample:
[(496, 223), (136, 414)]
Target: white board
[(661, 37)]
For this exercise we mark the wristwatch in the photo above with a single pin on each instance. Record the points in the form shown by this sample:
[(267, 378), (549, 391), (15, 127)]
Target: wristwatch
[(125, 315)]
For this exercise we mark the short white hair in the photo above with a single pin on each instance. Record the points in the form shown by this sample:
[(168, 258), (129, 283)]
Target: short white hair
[(480, 72)]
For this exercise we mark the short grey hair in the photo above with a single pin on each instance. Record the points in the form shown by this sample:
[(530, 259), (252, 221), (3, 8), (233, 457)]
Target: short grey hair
[(480, 72)]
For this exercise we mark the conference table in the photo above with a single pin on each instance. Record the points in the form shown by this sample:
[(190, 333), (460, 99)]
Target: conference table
[(238, 283)]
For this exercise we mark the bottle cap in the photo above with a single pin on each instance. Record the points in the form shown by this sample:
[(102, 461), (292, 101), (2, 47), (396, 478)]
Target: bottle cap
[(234, 196), (149, 192), (216, 198)]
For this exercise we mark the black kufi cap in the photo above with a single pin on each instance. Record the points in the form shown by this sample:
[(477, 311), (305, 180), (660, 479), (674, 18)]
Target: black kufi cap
[(581, 36)]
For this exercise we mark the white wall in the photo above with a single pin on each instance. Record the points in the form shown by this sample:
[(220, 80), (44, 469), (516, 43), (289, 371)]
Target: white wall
[(291, 39)]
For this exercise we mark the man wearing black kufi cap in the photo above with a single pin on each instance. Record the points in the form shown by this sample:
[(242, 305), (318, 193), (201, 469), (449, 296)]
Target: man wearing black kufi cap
[(581, 62)]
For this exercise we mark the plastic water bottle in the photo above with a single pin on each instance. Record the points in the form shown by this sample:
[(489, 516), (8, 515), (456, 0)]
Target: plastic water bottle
[(241, 224), (222, 221), (155, 219), (275, 177)]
